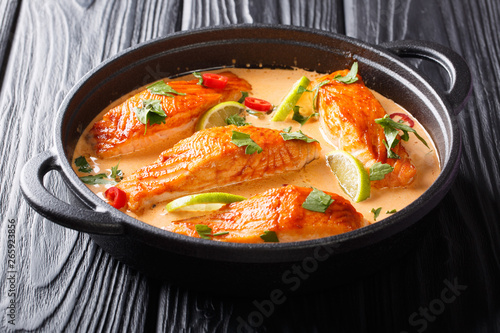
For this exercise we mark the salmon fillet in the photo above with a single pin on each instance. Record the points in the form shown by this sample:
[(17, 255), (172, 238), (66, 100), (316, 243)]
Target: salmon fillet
[(279, 210), (120, 132), (348, 113), (208, 159)]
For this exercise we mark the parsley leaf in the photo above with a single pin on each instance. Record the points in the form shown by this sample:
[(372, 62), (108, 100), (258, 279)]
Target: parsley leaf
[(317, 201), (205, 232), (199, 76), (376, 213), (116, 174), (151, 112), (243, 139), (244, 94), (300, 118), (350, 77), (161, 88), (379, 170), (236, 120), (297, 136), (316, 91), (97, 179), (83, 165), (391, 130), (269, 237)]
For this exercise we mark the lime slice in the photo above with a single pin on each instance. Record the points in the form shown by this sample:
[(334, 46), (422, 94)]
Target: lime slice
[(203, 201), (351, 173), (293, 96), (216, 116)]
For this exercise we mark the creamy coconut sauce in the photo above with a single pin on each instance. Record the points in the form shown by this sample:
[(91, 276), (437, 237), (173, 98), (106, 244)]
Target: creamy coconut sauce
[(272, 85)]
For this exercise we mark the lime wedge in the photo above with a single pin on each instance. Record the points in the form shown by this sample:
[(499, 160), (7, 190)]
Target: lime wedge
[(203, 201), (216, 116), (291, 99), (351, 173)]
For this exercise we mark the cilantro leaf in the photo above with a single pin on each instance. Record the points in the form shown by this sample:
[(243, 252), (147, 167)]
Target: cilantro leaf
[(288, 129), (316, 91), (97, 179), (300, 118), (391, 130), (379, 170), (205, 232), (83, 165), (243, 139), (161, 88), (317, 201), (116, 174), (376, 213), (244, 94), (151, 112), (236, 120), (199, 76), (350, 77), (269, 237), (297, 136)]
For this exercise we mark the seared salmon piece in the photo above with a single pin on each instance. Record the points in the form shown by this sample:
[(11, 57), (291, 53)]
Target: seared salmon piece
[(208, 159), (120, 132), (279, 210), (348, 113)]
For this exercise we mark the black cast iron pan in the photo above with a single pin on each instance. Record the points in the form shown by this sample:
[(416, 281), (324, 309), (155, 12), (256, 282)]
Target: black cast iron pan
[(252, 268)]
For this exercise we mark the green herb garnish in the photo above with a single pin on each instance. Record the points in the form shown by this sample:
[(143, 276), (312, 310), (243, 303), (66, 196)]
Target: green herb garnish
[(391, 211), (300, 118), (236, 120), (376, 213), (199, 76), (317, 201), (391, 131), (287, 130), (83, 165), (161, 88), (243, 139), (269, 237), (379, 170), (350, 77), (97, 179), (151, 112), (297, 136), (316, 91), (244, 94), (116, 174), (205, 232)]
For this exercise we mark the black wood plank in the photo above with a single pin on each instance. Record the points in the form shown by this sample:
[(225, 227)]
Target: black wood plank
[(465, 244)]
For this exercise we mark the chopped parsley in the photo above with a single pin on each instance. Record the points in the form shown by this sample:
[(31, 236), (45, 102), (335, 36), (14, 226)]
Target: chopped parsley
[(391, 131), (205, 232), (297, 136), (243, 139), (269, 237), (391, 211), (376, 213), (237, 120), (379, 170), (151, 112), (244, 94), (317, 201), (300, 118), (161, 88), (83, 165), (350, 77)]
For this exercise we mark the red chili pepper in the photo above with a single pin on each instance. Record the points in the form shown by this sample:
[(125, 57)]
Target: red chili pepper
[(117, 198), (404, 117), (258, 104), (215, 81)]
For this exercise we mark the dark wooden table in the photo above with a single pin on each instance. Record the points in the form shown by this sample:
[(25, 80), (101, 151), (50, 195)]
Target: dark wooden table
[(62, 281)]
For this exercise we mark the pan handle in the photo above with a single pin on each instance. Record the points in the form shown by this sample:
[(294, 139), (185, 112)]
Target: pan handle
[(456, 67), (47, 205)]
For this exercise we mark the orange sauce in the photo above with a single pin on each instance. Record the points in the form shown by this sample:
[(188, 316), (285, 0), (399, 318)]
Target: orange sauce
[(272, 85)]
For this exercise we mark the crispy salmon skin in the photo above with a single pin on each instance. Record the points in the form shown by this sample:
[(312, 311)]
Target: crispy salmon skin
[(120, 132), (347, 114), (209, 159), (279, 210)]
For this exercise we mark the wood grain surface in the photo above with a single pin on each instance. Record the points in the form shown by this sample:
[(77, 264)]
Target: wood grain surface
[(64, 282)]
